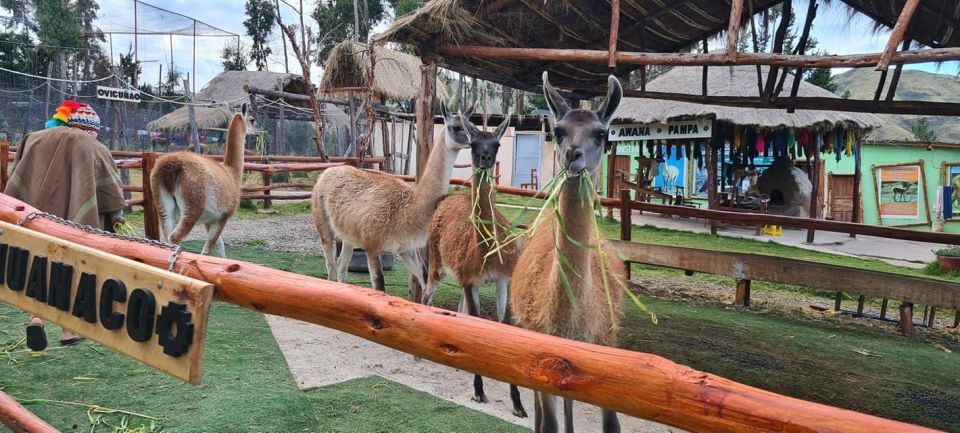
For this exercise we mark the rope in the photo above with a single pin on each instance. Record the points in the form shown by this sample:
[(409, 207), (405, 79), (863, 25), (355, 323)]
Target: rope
[(54, 79)]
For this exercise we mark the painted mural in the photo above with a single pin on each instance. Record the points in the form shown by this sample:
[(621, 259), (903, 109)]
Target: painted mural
[(672, 175), (899, 191)]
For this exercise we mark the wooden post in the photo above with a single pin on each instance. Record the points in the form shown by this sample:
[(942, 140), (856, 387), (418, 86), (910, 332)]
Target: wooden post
[(733, 30), (4, 164), (626, 220), (883, 309), (194, 134), (857, 201), (956, 320), (899, 29), (743, 293), (906, 318), (614, 32), (703, 75), (926, 195), (611, 174), (892, 91), (267, 178), (428, 86), (815, 194), (151, 220), (836, 301), (860, 301), (712, 179)]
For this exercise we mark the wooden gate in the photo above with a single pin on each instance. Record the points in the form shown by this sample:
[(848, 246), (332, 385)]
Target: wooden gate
[(841, 198)]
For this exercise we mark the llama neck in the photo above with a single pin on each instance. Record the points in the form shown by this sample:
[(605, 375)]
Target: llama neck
[(435, 181), (481, 193), (575, 237), (233, 150)]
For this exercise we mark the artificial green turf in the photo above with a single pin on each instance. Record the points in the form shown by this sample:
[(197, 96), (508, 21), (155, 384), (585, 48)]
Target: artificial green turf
[(246, 384)]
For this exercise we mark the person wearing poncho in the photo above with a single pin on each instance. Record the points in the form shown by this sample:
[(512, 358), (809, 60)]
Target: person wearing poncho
[(65, 171)]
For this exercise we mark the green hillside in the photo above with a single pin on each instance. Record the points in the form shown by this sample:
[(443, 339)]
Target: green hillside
[(913, 86)]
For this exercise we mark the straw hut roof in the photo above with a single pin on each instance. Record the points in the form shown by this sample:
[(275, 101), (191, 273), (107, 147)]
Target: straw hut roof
[(671, 26), (734, 81), (397, 75), (225, 94)]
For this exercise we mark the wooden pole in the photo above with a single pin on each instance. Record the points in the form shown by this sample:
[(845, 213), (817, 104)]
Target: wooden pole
[(151, 219), (802, 47), (696, 59), (20, 420), (883, 308), (712, 179), (926, 195), (742, 298), (632, 383), (733, 30), (614, 32), (626, 220), (906, 318), (4, 164), (861, 300), (933, 317), (899, 29), (814, 195), (896, 74), (194, 134), (428, 86), (611, 173), (267, 177), (703, 74), (778, 39)]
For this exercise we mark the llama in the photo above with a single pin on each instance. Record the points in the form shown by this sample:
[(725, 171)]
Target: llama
[(540, 290), (381, 213), (201, 189), (670, 174), (456, 247)]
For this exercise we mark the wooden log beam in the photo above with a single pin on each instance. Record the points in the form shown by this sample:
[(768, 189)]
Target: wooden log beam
[(699, 59), (20, 420), (614, 32), (733, 29), (279, 168), (773, 269), (303, 196), (632, 383), (899, 29)]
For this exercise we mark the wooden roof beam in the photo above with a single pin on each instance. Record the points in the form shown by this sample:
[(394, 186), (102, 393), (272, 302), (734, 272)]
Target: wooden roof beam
[(733, 30), (614, 32), (897, 35)]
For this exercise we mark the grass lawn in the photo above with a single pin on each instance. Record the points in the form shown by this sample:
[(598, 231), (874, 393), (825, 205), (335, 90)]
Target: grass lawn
[(246, 384)]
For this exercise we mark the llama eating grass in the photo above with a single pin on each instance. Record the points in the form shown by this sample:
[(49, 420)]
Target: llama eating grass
[(201, 190)]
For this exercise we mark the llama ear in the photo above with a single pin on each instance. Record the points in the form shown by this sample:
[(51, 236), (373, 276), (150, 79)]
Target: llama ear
[(243, 109), (503, 126), (468, 127), (469, 111), (611, 101), (558, 106)]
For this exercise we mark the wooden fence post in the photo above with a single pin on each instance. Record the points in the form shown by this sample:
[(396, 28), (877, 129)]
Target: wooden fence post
[(626, 220), (4, 163), (932, 320), (267, 178), (151, 220), (906, 318), (743, 293), (837, 300), (860, 301), (883, 309)]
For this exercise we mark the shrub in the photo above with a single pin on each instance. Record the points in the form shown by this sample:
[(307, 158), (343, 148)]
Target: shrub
[(953, 251)]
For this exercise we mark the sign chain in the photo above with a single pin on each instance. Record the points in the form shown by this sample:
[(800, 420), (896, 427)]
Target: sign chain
[(177, 249)]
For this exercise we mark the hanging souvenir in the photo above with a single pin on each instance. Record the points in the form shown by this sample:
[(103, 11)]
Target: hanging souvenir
[(698, 154)]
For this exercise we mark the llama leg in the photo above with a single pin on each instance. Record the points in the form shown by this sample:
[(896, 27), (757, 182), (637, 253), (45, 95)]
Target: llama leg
[(166, 210), (434, 273), (414, 264), (376, 272), (328, 241), (343, 263), (610, 422), (548, 413), (568, 415), (518, 410), (502, 284), (188, 219), (206, 244), (469, 291)]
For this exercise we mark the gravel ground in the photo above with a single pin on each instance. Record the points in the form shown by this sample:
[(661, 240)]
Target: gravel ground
[(290, 233)]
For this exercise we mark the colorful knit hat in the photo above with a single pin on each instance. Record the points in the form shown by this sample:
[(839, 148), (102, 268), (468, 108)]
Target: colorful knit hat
[(76, 115)]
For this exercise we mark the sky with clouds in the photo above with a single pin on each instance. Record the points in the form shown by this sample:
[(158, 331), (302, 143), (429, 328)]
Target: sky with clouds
[(837, 32)]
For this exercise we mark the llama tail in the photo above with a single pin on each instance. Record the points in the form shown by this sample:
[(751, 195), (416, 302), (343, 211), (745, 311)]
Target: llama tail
[(164, 178)]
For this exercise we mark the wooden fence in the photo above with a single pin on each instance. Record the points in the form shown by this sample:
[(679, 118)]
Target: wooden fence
[(632, 383)]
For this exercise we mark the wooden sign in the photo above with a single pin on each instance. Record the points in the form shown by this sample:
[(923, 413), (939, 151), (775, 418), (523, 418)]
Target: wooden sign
[(118, 94), (674, 129), (156, 317)]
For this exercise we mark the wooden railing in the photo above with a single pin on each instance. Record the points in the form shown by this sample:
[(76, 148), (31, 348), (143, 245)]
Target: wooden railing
[(632, 383)]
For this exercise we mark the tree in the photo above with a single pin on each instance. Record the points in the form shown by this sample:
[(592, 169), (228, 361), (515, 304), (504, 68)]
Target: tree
[(846, 94), (405, 7), (261, 17), (922, 131), (234, 58), (129, 68), (335, 19), (822, 77)]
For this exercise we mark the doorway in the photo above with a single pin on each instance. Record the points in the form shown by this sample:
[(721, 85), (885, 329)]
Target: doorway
[(841, 198), (526, 160)]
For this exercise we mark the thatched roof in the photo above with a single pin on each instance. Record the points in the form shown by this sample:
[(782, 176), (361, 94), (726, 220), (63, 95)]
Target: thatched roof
[(224, 93), (397, 75), (671, 26), (179, 121), (734, 81)]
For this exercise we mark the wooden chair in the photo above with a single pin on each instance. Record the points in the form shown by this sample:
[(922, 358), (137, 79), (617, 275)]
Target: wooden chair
[(534, 180)]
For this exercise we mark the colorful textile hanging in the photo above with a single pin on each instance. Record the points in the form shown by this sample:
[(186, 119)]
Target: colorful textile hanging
[(947, 198), (737, 138)]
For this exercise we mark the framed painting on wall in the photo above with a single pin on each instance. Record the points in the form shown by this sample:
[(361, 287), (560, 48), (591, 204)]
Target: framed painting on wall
[(951, 178), (898, 191)]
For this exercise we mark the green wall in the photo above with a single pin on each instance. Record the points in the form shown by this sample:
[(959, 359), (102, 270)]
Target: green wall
[(882, 154)]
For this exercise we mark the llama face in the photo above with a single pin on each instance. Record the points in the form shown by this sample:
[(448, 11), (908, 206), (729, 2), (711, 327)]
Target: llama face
[(456, 129), (580, 134), (253, 126), (485, 145)]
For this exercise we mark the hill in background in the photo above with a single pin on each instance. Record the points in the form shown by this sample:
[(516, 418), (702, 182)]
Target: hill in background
[(913, 86)]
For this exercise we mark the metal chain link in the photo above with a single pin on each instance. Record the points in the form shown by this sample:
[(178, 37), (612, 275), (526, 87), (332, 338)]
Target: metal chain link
[(177, 249)]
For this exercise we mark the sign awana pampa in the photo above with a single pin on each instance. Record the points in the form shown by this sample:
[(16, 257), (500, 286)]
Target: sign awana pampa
[(676, 129), (118, 94), (158, 318)]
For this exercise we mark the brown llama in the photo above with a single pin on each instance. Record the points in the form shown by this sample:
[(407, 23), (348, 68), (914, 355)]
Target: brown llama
[(459, 248), (380, 213), (539, 298), (201, 189)]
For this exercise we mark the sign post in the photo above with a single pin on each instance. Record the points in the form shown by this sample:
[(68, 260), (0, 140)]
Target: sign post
[(156, 317)]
